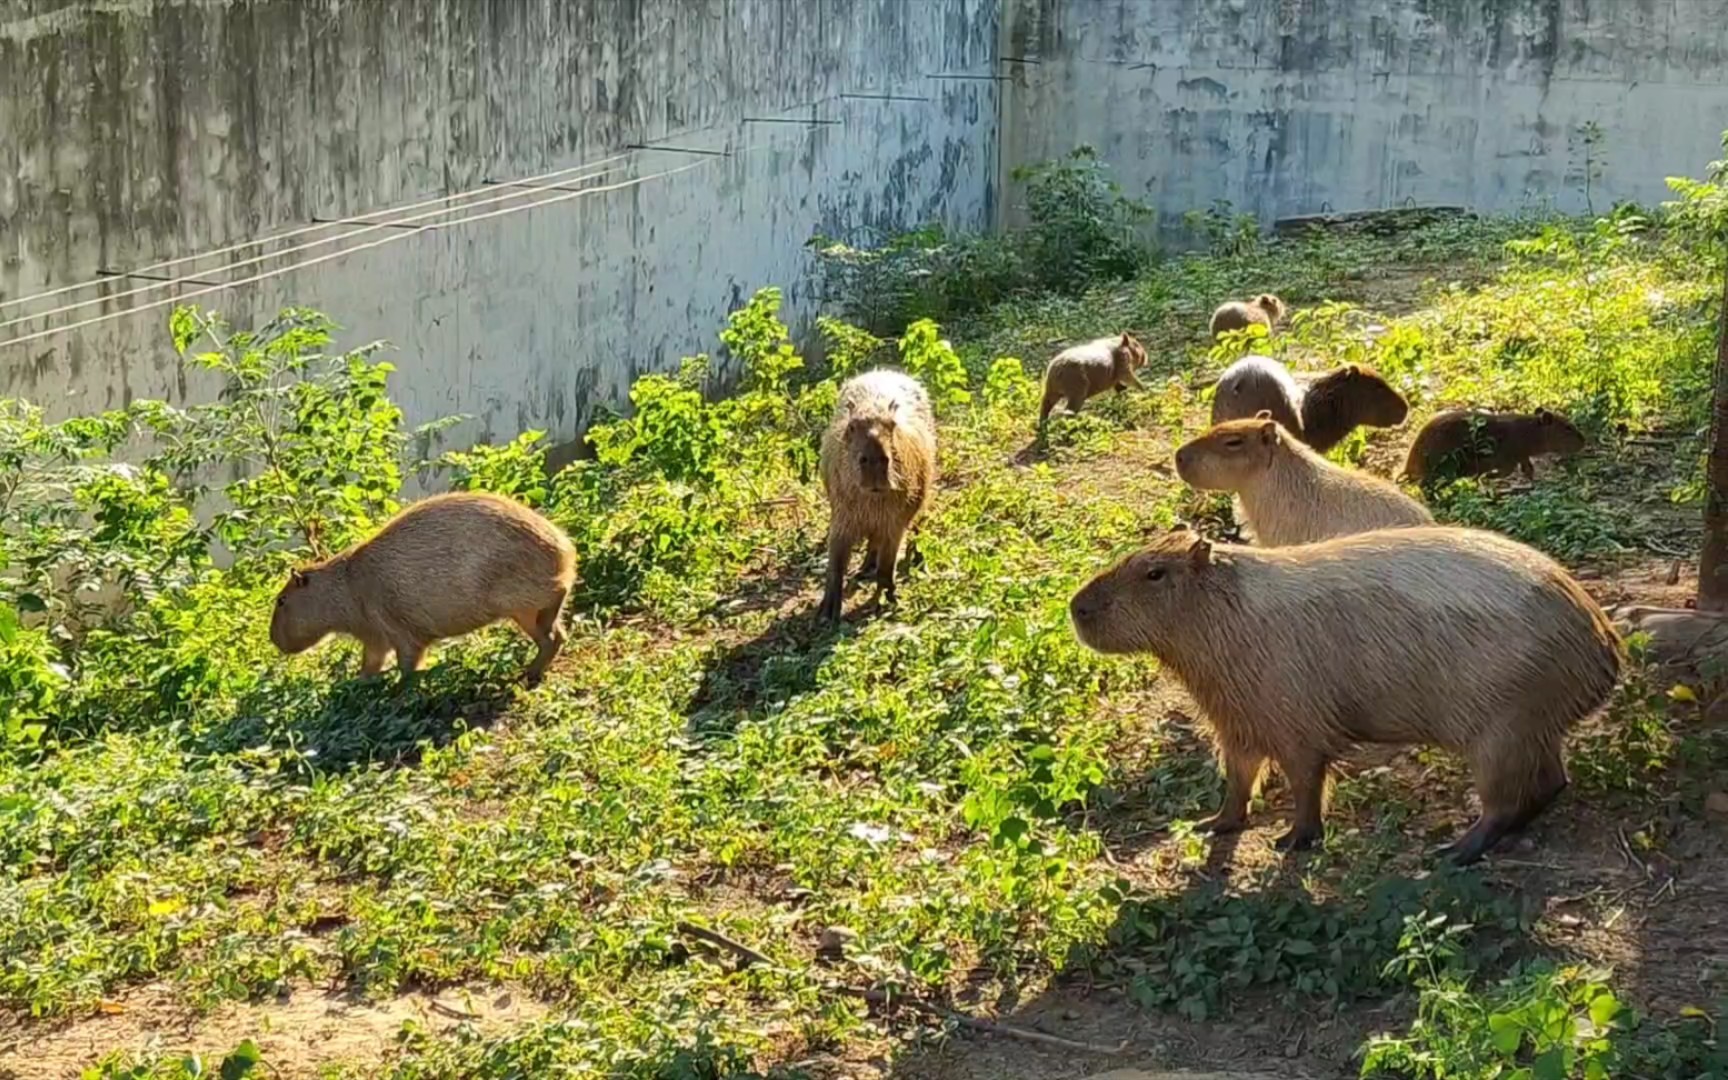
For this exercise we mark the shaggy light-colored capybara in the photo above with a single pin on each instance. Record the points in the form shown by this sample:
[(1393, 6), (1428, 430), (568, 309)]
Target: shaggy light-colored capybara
[(1288, 493), (1437, 636), (1471, 442), (444, 566), (1264, 309), (1085, 371), (879, 471), (1321, 411)]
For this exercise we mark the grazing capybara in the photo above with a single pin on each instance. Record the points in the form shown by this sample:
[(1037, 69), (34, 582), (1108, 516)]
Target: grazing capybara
[(1085, 371), (1256, 384), (1345, 398), (443, 567), (879, 470), (1436, 636), (1288, 493), (1264, 309), (1321, 413), (1471, 442)]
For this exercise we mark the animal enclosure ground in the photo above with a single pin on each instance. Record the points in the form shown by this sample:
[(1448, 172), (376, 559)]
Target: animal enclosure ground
[(723, 840)]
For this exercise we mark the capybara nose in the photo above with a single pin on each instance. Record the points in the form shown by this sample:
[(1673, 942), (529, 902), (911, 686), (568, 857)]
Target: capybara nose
[(1080, 608), (1181, 459)]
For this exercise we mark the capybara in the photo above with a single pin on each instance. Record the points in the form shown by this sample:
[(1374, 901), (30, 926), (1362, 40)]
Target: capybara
[(1321, 413), (1441, 636), (443, 567), (1085, 371), (1264, 309), (1290, 494), (1256, 383), (879, 470), (1470, 442), (1347, 397)]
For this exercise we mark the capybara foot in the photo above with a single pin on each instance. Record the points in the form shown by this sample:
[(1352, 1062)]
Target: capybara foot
[(830, 609), (1299, 840), (1482, 837), (867, 571)]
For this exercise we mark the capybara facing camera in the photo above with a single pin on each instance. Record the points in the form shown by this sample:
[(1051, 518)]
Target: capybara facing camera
[(443, 567), (1440, 636)]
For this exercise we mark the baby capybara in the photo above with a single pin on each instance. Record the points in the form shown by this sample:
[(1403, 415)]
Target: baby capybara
[(1288, 493), (879, 471), (1432, 636), (1321, 413), (1264, 309), (1085, 371), (443, 567), (1472, 442)]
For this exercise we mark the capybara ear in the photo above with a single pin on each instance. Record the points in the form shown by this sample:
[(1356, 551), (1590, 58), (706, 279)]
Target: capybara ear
[(1263, 414), (1544, 416), (1126, 340), (1200, 553), (296, 577), (1269, 432), (1352, 370)]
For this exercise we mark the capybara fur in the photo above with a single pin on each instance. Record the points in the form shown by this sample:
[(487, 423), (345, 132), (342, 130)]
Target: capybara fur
[(1321, 413), (1437, 636), (879, 471), (1085, 371), (1254, 384), (1472, 442), (444, 566), (1288, 493), (1347, 397), (1264, 309)]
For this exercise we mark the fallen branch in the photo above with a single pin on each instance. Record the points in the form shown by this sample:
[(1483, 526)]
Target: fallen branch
[(990, 1027), (742, 951)]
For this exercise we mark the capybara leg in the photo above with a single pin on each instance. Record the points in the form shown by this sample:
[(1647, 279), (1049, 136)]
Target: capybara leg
[(409, 656), (1527, 469), (839, 554), (1515, 785), (887, 556), (871, 557), (910, 557), (1242, 772), (1307, 777), (1051, 397), (377, 655), (1075, 401), (544, 627)]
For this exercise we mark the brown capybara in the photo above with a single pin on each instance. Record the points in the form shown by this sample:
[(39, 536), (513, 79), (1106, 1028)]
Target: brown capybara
[(1345, 398), (879, 470), (444, 566), (1288, 493), (1085, 371), (1321, 413), (1471, 442), (1264, 309), (1438, 636), (1254, 384)]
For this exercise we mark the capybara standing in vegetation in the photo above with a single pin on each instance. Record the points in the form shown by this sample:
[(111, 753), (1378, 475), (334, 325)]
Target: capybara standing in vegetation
[(1470, 442), (1437, 636), (1290, 494), (1264, 309), (442, 567), (1322, 413), (1085, 371), (1349, 396), (879, 471)]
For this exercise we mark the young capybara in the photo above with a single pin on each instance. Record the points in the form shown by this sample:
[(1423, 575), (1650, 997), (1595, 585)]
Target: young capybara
[(1289, 494), (879, 471), (1345, 398), (1264, 309), (1321, 413), (1085, 371), (1471, 442), (444, 566), (1437, 636)]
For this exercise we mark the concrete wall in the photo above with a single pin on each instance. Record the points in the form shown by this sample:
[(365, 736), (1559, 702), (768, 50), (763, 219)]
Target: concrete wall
[(1290, 106), (135, 131)]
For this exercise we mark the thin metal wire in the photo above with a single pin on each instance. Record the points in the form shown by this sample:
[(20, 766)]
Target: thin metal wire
[(290, 234)]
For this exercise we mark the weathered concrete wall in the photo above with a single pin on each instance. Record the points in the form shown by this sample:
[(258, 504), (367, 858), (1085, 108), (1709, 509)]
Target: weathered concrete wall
[(134, 131), (1290, 106)]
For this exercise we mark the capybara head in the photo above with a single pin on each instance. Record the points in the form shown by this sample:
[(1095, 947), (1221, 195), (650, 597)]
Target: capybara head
[(1559, 436), (1271, 305), (1230, 454), (303, 609), (870, 444), (1134, 605), (1129, 351), (1375, 402)]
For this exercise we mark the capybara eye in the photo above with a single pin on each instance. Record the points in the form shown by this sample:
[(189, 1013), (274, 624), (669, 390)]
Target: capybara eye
[(1155, 574), (1232, 444)]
